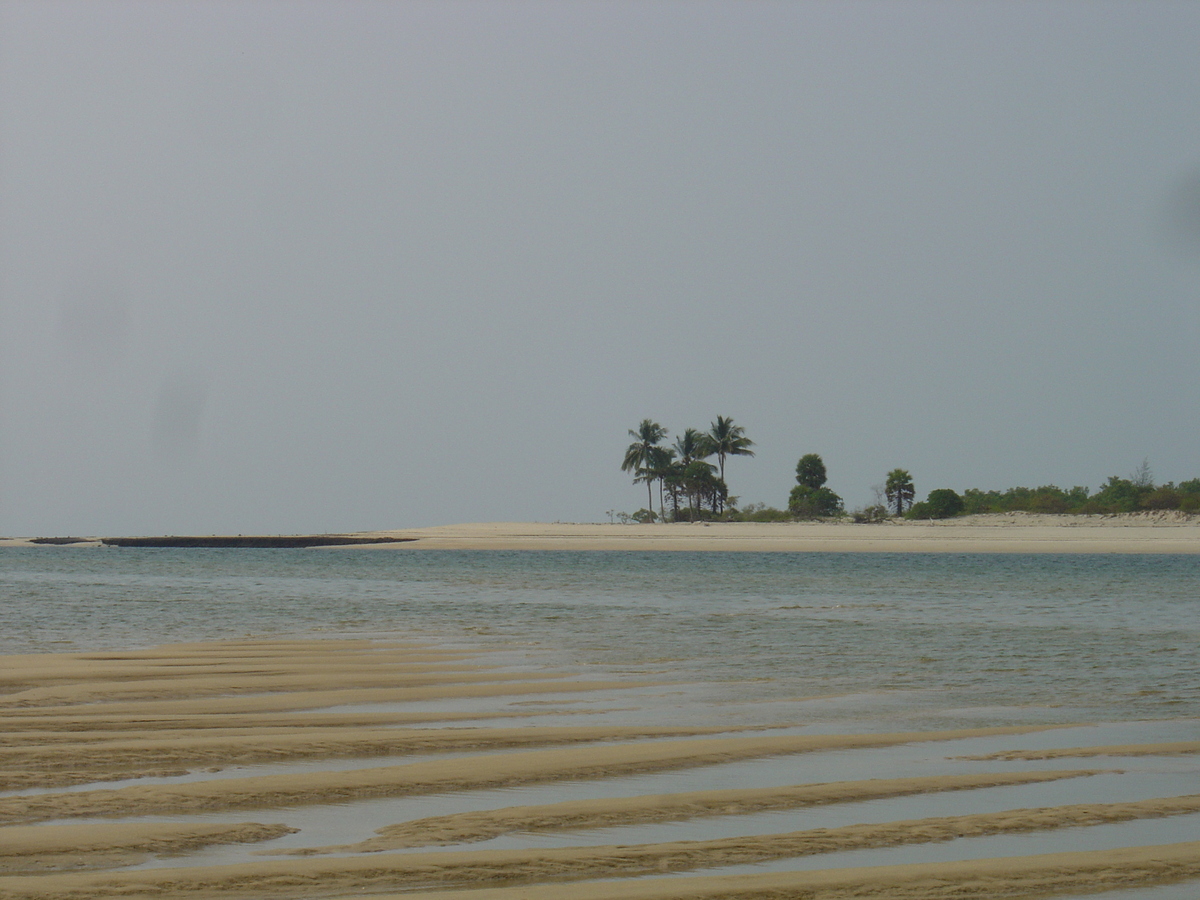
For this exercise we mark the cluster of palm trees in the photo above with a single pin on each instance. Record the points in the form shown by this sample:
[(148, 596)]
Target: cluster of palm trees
[(696, 488)]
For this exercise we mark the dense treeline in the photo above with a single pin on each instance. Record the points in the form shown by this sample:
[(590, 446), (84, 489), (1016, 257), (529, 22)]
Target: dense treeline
[(691, 489), (1137, 493), (1118, 495)]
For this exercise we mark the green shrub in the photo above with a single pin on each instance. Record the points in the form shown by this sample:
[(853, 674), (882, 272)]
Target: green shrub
[(1049, 498), (977, 501), (760, 512), (919, 510), (944, 503), (1118, 495), (871, 514), (812, 503), (1165, 497), (1076, 497)]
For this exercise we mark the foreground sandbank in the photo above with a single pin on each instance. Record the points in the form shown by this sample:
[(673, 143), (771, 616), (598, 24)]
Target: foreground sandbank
[(569, 865), (103, 721), (472, 827), (525, 767), (1033, 877)]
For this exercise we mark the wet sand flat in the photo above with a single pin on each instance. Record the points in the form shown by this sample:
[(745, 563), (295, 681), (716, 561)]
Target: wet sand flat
[(117, 780), (1031, 877)]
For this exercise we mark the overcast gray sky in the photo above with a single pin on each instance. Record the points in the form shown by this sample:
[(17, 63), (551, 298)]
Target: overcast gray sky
[(307, 266)]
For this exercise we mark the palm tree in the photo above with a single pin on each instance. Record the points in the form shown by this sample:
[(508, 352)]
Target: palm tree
[(702, 482), (662, 464), (639, 457), (726, 439), (691, 446), (899, 490)]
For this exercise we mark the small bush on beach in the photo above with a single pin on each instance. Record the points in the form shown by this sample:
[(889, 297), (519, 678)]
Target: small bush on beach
[(919, 510), (814, 503), (870, 515), (760, 512)]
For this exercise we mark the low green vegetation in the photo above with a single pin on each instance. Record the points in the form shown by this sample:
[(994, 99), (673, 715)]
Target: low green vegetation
[(691, 489), (760, 512), (942, 503), (1137, 493), (1117, 495)]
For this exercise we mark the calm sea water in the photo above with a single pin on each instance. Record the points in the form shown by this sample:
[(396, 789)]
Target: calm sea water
[(906, 637)]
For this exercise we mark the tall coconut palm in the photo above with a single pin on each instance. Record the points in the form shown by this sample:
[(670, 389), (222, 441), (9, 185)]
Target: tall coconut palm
[(701, 481), (690, 446), (899, 489), (662, 465), (639, 457), (726, 439)]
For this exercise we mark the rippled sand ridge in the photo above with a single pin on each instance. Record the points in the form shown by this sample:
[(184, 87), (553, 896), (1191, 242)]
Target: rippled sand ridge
[(350, 768)]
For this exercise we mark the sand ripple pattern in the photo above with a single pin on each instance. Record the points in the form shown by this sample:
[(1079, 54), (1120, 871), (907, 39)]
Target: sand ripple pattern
[(93, 743)]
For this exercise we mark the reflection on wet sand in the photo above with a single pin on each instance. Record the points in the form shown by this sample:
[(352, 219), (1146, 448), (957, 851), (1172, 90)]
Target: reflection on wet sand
[(211, 754)]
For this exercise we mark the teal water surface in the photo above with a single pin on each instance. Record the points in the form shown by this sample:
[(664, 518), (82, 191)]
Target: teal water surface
[(1007, 637)]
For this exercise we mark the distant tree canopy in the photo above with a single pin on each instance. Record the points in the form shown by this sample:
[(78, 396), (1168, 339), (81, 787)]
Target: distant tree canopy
[(810, 499), (1116, 495), (810, 471), (942, 503), (899, 490)]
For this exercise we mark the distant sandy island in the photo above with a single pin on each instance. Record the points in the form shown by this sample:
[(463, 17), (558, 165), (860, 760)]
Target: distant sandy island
[(975, 534), (995, 533)]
